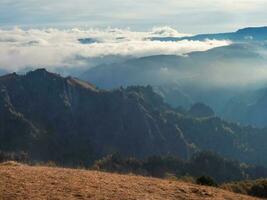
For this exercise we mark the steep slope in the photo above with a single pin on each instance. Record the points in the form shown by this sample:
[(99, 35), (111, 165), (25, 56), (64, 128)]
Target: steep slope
[(68, 120), (201, 110), (248, 108), (72, 122), (24, 182)]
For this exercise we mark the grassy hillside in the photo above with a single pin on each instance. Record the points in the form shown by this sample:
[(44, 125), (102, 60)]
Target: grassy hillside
[(26, 182)]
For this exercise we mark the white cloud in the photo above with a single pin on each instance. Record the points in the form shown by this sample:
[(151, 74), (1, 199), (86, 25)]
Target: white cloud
[(166, 31), (61, 48)]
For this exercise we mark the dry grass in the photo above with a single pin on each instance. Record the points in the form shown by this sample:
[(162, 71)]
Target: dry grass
[(25, 182), (11, 163)]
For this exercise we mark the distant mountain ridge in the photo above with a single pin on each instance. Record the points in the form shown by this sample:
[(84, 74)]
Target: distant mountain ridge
[(245, 34), (156, 70), (3, 72), (196, 77)]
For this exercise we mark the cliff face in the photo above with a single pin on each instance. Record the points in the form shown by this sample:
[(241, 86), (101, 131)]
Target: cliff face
[(64, 118), (72, 122)]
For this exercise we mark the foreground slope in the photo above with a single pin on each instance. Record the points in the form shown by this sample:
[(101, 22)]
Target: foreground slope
[(24, 182)]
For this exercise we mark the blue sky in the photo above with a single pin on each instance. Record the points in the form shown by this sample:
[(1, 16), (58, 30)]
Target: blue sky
[(192, 16)]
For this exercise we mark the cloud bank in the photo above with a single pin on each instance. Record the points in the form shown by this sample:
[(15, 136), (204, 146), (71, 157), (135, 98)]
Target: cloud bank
[(82, 47)]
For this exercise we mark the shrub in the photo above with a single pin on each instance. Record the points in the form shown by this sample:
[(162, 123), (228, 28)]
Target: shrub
[(14, 156), (170, 176), (206, 180), (259, 189), (187, 179), (116, 163)]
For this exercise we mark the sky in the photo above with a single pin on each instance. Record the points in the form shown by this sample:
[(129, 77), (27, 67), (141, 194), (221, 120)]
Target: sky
[(187, 16), (46, 33)]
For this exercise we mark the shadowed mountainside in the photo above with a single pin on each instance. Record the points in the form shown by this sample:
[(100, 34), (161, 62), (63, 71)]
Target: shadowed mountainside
[(72, 122), (57, 118), (248, 108)]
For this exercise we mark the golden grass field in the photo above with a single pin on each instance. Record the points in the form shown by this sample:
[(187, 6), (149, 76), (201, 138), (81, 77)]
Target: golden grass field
[(19, 181)]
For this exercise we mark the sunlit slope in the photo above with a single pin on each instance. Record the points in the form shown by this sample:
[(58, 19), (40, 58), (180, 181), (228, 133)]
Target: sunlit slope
[(25, 182)]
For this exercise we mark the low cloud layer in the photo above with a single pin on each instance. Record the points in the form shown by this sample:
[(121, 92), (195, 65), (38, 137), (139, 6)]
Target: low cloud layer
[(62, 48)]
